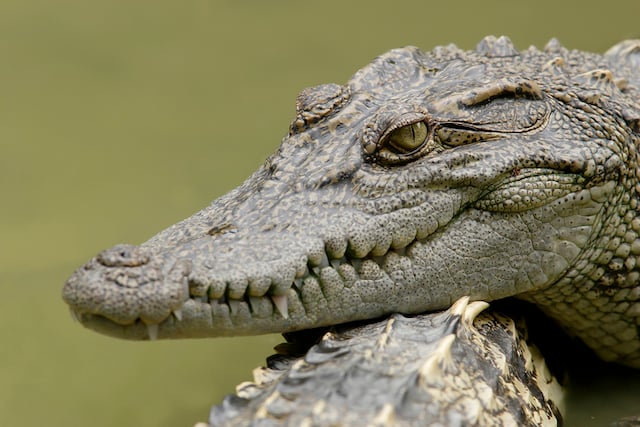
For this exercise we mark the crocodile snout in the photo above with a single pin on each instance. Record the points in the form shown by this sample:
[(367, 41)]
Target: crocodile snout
[(127, 284)]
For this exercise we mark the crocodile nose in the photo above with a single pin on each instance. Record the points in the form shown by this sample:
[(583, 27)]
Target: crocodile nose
[(123, 256)]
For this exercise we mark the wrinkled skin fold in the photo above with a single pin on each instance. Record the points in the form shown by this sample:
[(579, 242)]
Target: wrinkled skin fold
[(428, 176)]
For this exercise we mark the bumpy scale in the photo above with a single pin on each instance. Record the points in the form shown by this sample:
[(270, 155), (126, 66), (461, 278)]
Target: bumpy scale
[(427, 177), (463, 366)]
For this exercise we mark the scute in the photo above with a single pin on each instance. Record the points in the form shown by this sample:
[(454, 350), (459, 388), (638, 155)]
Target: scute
[(497, 47)]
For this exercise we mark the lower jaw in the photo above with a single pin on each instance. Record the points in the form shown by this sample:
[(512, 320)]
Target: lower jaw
[(198, 319)]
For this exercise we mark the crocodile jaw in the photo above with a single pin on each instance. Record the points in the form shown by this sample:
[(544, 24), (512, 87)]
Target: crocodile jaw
[(240, 279)]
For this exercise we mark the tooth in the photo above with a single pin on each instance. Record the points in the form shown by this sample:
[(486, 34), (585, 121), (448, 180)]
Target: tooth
[(280, 301), (298, 283), (324, 262), (185, 287), (260, 307), (336, 263), (153, 331), (75, 316), (178, 314), (233, 306)]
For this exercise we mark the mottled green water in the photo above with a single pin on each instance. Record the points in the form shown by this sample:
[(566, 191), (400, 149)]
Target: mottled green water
[(118, 118)]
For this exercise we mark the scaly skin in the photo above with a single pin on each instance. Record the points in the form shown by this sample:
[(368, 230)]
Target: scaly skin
[(463, 366), (427, 177)]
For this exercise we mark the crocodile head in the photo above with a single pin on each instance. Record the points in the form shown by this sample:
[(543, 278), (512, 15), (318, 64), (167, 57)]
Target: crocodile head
[(428, 176)]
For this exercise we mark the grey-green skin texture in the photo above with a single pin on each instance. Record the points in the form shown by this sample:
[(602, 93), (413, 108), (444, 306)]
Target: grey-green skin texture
[(460, 367), (427, 177)]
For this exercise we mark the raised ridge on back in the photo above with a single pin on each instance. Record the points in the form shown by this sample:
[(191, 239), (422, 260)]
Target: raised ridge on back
[(463, 366)]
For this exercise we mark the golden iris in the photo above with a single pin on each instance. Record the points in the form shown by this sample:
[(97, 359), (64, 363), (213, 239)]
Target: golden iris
[(408, 138)]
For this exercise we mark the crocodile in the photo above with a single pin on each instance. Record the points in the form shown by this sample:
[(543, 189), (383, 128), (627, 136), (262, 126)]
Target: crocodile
[(426, 178), (462, 366)]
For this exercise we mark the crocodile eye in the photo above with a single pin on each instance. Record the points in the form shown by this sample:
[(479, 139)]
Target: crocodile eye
[(407, 139), (404, 144), (397, 134)]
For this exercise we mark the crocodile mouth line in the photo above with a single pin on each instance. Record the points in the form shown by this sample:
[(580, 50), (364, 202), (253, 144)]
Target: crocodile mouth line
[(341, 253), (310, 268), (277, 293), (249, 295), (311, 271)]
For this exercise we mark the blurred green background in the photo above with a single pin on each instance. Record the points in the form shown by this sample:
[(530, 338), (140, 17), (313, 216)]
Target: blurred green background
[(121, 117)]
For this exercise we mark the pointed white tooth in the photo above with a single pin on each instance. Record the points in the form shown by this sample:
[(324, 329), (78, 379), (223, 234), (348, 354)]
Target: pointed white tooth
[(178, 314), (316, 271), (280, 301), (153, 331), (335, 263), (75, 316), (298, 283), (324, 261), (234, 304)]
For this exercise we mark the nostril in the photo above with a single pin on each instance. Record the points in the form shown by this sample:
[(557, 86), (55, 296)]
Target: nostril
[(123, 256)]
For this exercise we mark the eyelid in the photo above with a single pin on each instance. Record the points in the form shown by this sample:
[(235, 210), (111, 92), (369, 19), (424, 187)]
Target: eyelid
[(503, 88), (493, 111)]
